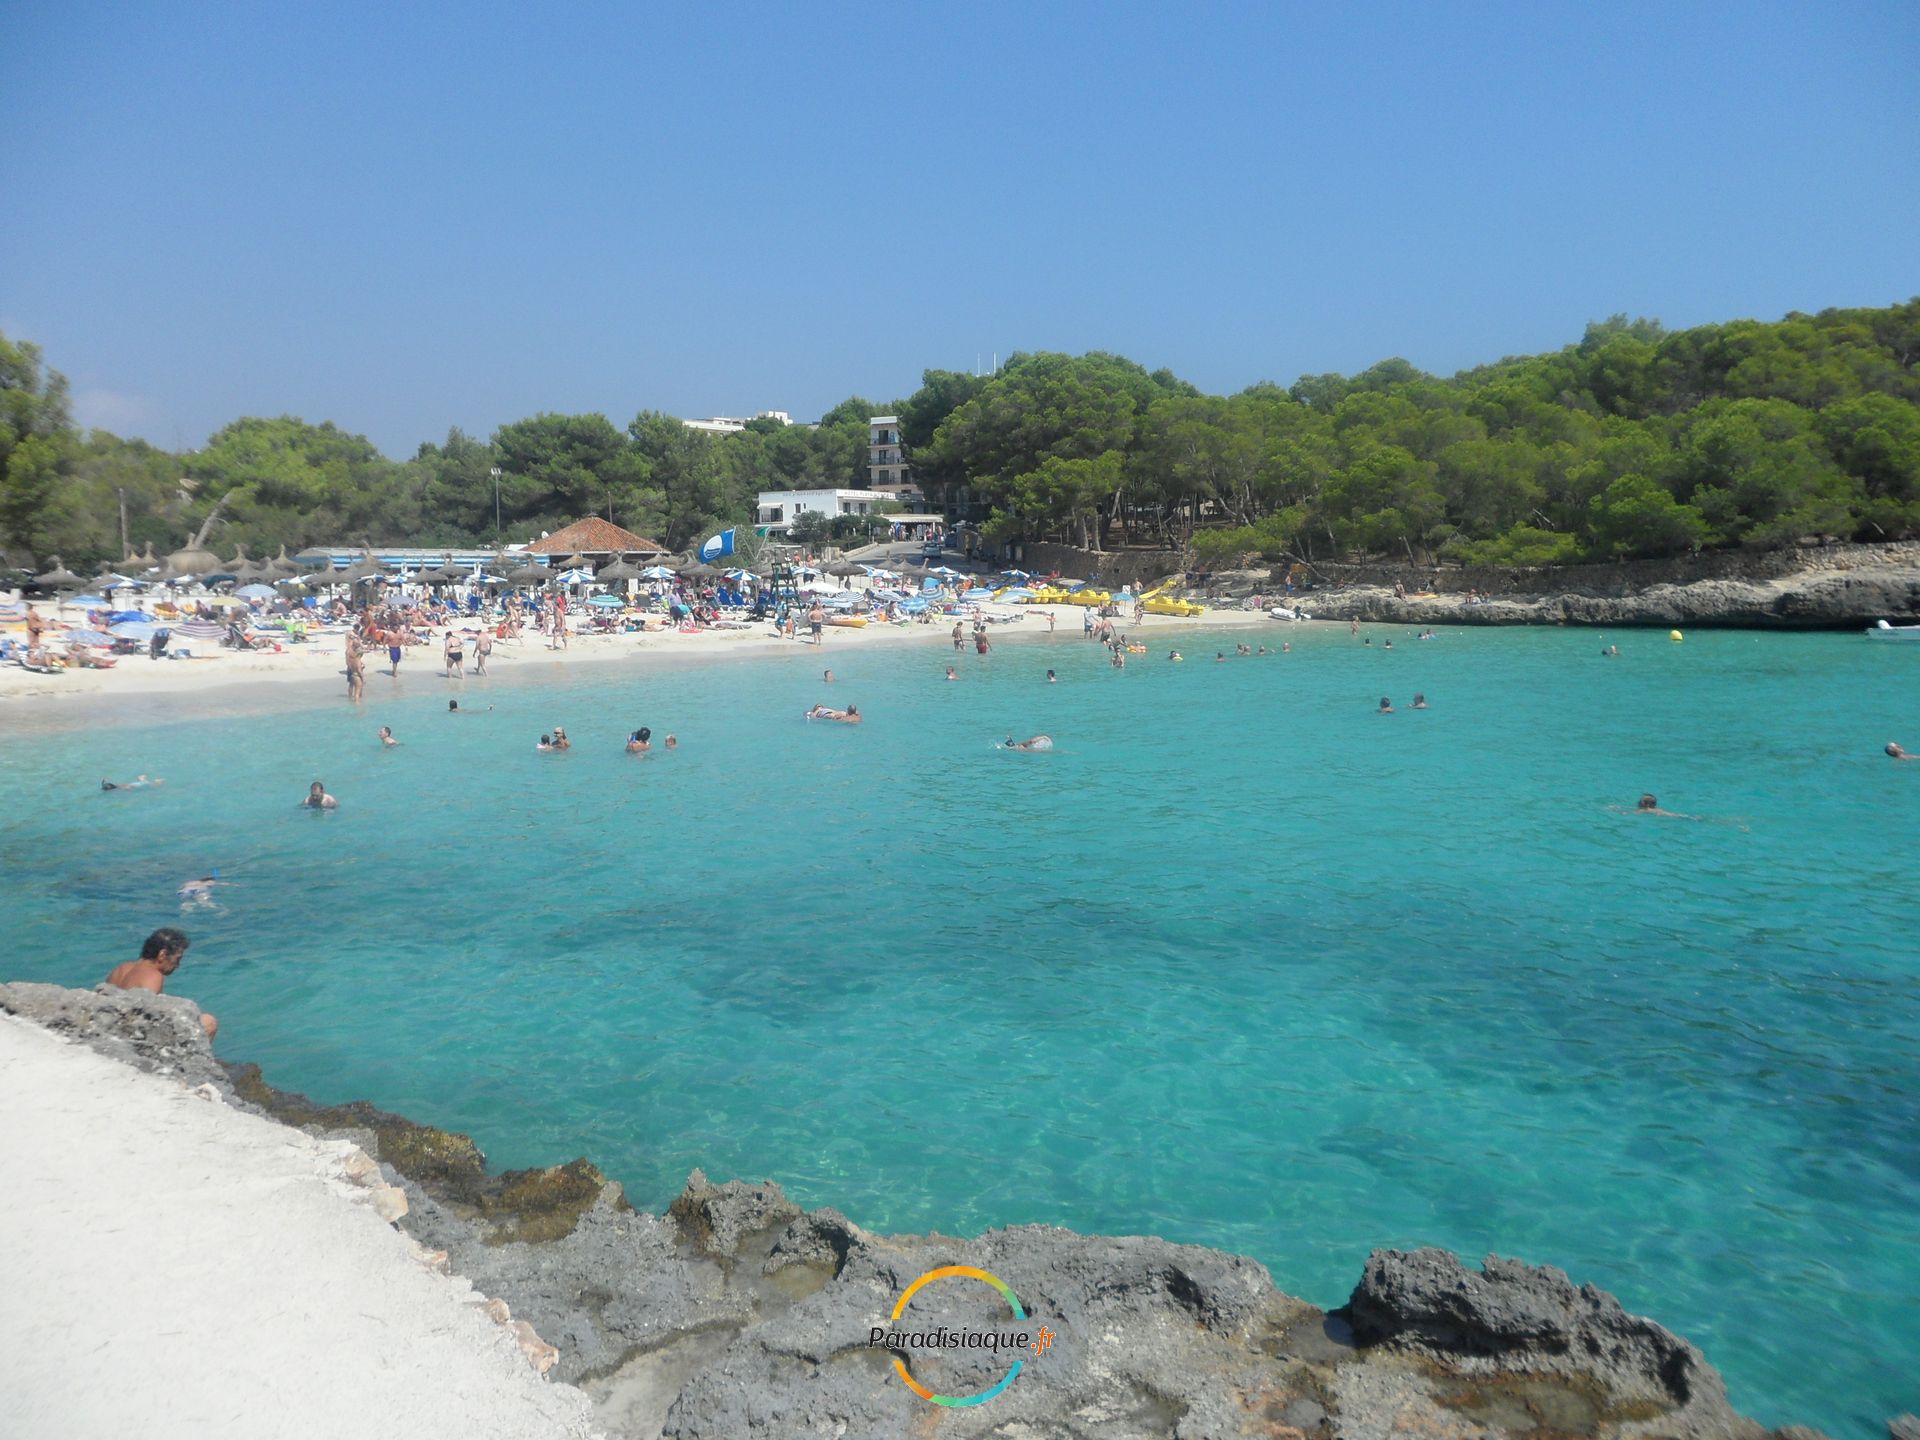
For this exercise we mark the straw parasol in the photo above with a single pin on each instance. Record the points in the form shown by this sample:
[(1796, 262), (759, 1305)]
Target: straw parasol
[(845, 569), (530, 575), (616, 572), (280, 565), (575, 561), (190, 560), (58, 578), (313, 561), (367, 568), (239, 561), (143, 563)]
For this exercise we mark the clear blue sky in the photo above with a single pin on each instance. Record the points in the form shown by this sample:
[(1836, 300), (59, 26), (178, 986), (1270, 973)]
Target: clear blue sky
[(407, 217)]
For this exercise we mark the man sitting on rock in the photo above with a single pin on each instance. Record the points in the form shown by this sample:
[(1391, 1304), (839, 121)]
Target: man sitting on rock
[(159, 958)]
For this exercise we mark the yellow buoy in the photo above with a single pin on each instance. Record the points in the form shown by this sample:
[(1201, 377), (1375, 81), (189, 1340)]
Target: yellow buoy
[(1675, 635)]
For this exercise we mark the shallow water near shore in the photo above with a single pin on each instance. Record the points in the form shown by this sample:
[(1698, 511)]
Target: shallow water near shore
[(1240, 963)]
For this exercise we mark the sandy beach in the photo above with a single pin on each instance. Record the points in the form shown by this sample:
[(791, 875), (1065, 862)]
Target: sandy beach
[(220, 681)]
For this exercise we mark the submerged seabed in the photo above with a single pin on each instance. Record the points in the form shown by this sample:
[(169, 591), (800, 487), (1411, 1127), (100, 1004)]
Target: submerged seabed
[(1240, 963)]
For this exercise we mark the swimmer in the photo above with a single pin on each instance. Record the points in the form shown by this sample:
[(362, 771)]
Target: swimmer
[(1419, 701), (1894, 752), (1286, 647), (1386, 706), (318, 799), (829, 677), (386, 737), (640, 741), (453, 708), (1650, 806), (546, 743), (1175, 655), (1265, 651), (139, 782), (951, 673), (1219, 657), (672, 743), (1034, 742), (849, 716), (1389, 645), (1610, 652), (1368, 641), (560, 741), (199, 892), (1052, 679)]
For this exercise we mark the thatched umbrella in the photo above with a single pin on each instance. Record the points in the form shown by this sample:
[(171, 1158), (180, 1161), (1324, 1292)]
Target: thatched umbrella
[(58, 578), (368, 568), (280, 565), (844, 569), (616, 572), (530, 575), (575, 561), (143, 563), (190, 560), (313, 561), (239, 561)]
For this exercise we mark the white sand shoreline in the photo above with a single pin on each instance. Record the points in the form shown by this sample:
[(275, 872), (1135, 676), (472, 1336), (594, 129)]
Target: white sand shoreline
[(139, 691)]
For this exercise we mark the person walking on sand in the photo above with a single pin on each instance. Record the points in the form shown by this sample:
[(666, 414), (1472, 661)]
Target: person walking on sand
[(482, 648), (393, 653), (159, 958), (956, 635), (816, 619), (455, 655), (356, 666)]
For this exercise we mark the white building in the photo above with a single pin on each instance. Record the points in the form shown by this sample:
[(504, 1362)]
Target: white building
[(780, 508), (886, 460), (730, 424)]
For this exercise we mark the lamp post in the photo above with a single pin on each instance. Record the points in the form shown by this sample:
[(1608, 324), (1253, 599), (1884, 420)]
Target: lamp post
[(495, 472)]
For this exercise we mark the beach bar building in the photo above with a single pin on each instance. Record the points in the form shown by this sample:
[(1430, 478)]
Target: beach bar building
[(595, 540)]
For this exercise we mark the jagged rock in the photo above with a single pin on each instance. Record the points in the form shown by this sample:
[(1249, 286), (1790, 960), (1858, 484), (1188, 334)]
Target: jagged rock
[(498, 1311), (157, 1033), (717, 1218), (360, 1166), (389, 1203), (1531, 1320), (1904, 1427)]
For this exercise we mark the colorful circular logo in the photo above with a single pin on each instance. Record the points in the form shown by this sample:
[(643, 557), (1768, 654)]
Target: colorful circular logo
[(967, 1272)]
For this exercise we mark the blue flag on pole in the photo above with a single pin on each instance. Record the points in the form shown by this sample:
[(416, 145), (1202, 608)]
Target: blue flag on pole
[(716, 546)]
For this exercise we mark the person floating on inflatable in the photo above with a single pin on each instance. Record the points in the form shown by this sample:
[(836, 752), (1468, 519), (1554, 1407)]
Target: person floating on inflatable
[(1034, 742), (849, 716)]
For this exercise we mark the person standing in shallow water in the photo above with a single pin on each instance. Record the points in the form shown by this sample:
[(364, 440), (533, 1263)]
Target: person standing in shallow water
[(159, 958)]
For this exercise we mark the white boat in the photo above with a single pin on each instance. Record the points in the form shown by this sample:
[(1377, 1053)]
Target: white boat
[(1881, 630), (1281, 612)]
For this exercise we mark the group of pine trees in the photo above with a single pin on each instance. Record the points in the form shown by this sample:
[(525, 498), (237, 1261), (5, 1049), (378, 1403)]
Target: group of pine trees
[(1634, 442)]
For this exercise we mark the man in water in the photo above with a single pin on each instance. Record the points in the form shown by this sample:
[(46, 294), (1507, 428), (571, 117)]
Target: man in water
[(1052, 679), (1386, 706), (1894, 752), (159, 958), (849, 716), (672, 743), (139, 782), (318, 799), (453, 708), (1650, 806), (386, 737), (829, 677), (199, 893), (640, 741), (1034, 742)]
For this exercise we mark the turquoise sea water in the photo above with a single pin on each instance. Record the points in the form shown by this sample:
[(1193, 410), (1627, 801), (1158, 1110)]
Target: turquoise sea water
[(1241, 963)]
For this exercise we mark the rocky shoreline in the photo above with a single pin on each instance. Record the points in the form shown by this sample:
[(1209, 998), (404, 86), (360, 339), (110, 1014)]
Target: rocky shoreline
[(736, 1313), (1835, 587)]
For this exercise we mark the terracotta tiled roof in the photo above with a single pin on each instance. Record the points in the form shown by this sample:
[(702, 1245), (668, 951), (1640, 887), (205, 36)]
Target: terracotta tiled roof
[(594, 536)]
